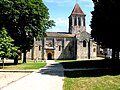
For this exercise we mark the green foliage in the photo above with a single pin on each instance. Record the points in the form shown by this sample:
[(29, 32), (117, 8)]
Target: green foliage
[(30, 65), (24, 20), (7, 49), (104, 24)]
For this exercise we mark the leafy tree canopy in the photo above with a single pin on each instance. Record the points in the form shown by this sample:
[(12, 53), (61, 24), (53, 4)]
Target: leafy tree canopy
[(24, 20), (104, 24), (7, 48)]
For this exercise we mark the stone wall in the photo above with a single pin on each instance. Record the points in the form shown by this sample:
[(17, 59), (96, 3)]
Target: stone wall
[(93, 49), (62, 48), (82, 52)]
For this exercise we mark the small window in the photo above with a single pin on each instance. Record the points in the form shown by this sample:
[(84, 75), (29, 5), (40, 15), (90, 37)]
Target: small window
[(59, 48), (84, 43), (69, 48), (39, 48), (83, 21), (94, 50), (75, 21), (79, 21), (50, 44)]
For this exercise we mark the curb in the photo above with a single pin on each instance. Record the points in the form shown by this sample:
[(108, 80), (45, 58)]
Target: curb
[(23, 71)]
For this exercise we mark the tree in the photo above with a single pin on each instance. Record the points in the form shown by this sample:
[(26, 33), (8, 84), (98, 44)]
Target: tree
[(104, 24), (7, 48), (24, 20)]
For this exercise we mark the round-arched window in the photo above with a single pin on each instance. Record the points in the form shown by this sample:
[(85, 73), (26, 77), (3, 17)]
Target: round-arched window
[(84, 43), (94, 50)]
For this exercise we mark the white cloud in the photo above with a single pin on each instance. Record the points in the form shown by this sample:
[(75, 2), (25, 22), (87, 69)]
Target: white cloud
[(58, 29), (88, 28), (61, 21), (89, 5), (61, 25)]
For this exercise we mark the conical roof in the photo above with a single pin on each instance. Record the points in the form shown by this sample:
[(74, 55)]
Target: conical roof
[(77, 10)]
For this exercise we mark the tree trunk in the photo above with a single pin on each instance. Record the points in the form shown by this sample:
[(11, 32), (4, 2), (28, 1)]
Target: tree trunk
[(2, 62), (89, 50), (16, 60), (24, 55)]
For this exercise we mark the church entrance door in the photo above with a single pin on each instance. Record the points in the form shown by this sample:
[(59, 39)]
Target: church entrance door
[(49, 56)]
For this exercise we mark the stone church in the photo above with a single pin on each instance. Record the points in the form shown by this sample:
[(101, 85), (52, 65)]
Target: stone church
[(75, 44)]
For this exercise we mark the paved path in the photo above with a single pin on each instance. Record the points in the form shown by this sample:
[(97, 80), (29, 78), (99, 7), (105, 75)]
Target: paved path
[(48, 78)]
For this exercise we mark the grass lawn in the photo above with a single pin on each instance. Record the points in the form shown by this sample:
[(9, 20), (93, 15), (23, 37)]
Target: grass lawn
[(105, 82), (103, 79), (30, 65)]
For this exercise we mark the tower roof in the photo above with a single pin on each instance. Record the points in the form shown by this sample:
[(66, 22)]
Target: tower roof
[(77, 10)]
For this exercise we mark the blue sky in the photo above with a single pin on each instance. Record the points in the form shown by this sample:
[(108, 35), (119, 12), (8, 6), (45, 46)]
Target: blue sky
[(60, 10)]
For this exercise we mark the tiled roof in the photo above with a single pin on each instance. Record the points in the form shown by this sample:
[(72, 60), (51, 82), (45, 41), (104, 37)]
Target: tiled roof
[(77, 10), (59, 34)]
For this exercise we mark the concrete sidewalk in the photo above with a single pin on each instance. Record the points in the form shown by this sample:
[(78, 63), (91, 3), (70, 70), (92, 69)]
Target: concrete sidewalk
[(50, 77)]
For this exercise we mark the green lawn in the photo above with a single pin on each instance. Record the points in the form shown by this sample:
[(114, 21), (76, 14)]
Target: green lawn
[(30, 65), (102, 79), (87, 82)]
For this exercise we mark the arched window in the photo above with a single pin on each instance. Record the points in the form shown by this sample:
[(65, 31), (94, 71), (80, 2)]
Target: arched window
[(79, 21), (39, 48), (75, 21), (84, 43), (59, 48), (94, 50), (83, 21), (69, 48)]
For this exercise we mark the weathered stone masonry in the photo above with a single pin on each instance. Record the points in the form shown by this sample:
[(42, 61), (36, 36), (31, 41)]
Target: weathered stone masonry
[(75, 44)]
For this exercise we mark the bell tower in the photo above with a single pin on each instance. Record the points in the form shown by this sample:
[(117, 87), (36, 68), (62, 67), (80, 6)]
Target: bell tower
[(77, 26), (77, 20)]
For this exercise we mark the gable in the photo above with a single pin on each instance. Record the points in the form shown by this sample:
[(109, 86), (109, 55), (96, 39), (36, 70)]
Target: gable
[(84, 36)]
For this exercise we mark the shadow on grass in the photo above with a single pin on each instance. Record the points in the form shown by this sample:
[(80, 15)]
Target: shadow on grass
[(105, 63), (96, 68), (91, 73), (7, 64)]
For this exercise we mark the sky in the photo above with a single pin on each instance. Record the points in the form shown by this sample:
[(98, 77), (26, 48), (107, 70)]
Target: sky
[(60, 10)]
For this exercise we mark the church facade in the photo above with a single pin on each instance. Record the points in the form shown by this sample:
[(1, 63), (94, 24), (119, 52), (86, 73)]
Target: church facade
[(75, 44)]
